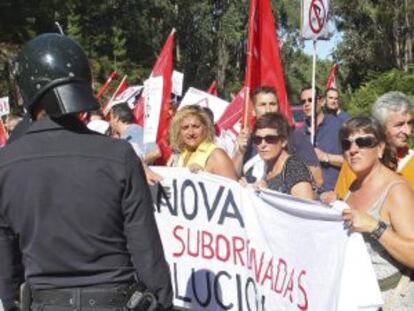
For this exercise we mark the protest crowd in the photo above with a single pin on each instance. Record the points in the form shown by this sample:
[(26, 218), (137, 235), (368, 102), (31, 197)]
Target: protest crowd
[(77, 223)]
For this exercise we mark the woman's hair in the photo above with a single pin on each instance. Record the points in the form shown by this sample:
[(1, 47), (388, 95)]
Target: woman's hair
[(273, 120), (370, 125), (174, 131)]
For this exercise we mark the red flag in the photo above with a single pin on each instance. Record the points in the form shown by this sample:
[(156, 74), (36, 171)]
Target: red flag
[(104, 87), (163, 67), (123, 85), (264, 64), (213, 89), (3, 134), (331, 81), (233, 112)]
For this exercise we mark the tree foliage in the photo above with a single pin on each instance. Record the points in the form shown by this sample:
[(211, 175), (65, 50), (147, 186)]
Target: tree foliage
[(127, 35), (394, 80)]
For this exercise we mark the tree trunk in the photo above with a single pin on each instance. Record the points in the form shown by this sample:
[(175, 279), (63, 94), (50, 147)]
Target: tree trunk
[(222, 61), (409, 39)]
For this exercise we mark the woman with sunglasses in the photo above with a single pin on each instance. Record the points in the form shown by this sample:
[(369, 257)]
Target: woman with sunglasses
[(192, 136), (381, 207), (283, 172)]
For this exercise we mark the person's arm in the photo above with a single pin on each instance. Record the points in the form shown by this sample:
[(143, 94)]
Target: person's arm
[(219, 163), (298, 179), (152, 155), (317, 175), (329, 158), (241, 147), (397, 239), (8, 243), (143, 239), (303, 190)]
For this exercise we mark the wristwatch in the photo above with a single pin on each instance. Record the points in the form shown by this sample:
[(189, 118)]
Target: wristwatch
[(326, 158), (379, 230)]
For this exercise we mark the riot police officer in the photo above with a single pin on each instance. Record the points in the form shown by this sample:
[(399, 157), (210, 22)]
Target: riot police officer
[(77, 201)]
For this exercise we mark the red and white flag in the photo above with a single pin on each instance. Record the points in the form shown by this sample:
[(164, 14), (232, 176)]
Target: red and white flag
[(122, 86), (162, 68), (331, 81), (234, 112), (264, 64)]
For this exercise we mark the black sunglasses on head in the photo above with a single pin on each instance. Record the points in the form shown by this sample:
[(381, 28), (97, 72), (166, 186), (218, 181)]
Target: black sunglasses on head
[(361, 142), (269, 139)]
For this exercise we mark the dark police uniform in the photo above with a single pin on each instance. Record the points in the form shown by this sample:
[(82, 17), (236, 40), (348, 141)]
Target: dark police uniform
[(74, 202), (80, 204)]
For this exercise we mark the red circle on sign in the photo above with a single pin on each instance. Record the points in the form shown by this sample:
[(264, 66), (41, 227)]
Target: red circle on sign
[(315, 9)]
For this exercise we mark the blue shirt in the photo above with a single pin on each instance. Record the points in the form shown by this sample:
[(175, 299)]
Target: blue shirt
[(327, 139), (343, 116), (135, 136)]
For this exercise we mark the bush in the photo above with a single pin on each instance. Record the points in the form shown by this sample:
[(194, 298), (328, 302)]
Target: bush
[(395, 80)]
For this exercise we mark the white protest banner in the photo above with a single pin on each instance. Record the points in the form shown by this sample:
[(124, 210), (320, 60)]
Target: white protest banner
[(315, 15), (197, 97), (4, 106), (177, 83), (153, 88), (229, 249), (128, 96)]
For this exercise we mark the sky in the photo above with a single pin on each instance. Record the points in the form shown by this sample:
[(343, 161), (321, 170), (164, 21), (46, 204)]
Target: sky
[(324, 48)]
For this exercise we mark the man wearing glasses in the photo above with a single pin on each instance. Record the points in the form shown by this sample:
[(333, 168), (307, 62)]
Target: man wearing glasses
[(326, 144)]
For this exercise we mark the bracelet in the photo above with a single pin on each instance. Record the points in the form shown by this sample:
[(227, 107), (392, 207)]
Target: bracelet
[(379, 230)]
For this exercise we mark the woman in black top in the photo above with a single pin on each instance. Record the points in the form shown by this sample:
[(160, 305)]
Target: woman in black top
[(283, 172)]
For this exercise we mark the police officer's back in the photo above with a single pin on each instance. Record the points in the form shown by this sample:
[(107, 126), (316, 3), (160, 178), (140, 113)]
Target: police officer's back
[(78, 201)]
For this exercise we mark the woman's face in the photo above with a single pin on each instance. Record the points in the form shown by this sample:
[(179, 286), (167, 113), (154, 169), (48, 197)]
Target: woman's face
[(192, 132), (362, 151), (268, 143)]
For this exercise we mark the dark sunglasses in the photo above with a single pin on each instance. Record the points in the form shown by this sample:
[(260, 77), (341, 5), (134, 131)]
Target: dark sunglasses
[(361, 142), (309, 100), (269, 139)]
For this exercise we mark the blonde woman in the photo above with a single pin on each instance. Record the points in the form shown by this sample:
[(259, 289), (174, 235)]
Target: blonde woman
[(191, 135)]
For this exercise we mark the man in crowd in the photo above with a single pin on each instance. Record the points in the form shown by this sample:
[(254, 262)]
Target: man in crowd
[(78, 201), (333, 104), (245, 158), (122, 124), (326, 137), (394, 110)]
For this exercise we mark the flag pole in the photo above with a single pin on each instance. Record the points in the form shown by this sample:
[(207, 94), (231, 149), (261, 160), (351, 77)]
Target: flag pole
[(59, 28), (313, 110), (249, 61), (108, 105), (104, 87)]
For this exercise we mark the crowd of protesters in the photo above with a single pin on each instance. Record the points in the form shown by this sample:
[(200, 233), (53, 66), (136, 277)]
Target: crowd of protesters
[(364, 160)]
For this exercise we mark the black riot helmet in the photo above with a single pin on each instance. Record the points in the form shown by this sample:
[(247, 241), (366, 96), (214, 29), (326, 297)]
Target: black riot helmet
[(52, 72)]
